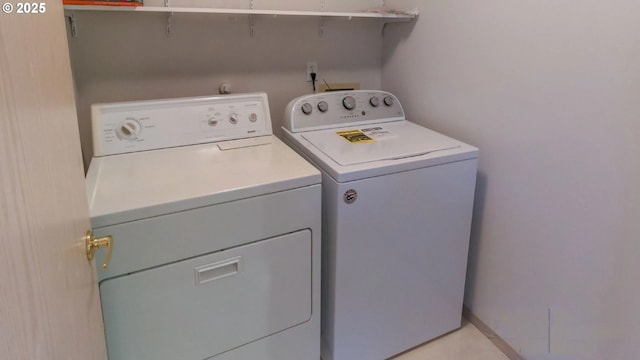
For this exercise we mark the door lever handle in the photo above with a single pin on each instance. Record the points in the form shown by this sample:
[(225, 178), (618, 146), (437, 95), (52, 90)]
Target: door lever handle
[(92, 244)]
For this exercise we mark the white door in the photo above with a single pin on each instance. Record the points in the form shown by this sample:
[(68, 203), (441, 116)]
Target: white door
[(49, 302)]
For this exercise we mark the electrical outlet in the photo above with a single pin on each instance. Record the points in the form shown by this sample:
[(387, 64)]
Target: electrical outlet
[(312, 67)]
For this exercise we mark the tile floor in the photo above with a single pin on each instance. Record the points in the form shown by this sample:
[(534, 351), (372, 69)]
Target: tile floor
[(466, 343)]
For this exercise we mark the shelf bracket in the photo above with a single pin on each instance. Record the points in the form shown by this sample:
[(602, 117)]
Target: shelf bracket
[(169, 18), (321, 26), (387, 22), (251, 23), (383, 28), (72, 23)]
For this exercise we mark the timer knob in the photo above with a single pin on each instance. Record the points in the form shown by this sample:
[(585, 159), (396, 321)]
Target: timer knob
[(233, 118), (388, 100), (307, 108), (253, 117), (349, 103), (323, 106), (129, 130), (374, 101)]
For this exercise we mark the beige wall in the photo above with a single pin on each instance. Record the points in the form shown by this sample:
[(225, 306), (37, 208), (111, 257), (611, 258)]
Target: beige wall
[(550, 93), (121, 57)]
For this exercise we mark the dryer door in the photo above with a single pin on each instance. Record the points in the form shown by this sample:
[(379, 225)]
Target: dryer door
[(198, 308)]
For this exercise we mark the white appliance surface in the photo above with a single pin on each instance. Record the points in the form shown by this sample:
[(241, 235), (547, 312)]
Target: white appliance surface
[(388, 141), (357, 146), (132, 186), (199, 157), (215, 226), (210, 304), (397, 205)]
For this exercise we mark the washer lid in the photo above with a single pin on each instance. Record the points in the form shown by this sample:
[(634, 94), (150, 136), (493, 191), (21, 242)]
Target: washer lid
[(375, 142), (139, 185), (359, 152)]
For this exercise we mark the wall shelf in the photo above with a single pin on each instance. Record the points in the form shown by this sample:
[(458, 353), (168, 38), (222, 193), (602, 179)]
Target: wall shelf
[(274, 13), (385, 17)]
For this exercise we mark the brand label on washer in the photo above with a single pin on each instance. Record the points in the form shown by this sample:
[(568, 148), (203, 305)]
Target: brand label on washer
[(355, 136), (378, 133), (350, 196)]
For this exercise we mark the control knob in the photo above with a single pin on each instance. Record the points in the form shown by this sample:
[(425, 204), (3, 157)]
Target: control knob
[(129, 129), (233, 118), (349, 103), (388, 100), (307, 108), (323, 106), (374, 101)]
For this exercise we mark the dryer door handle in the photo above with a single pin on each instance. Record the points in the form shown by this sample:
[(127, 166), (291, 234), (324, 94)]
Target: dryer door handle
[(217, 270)]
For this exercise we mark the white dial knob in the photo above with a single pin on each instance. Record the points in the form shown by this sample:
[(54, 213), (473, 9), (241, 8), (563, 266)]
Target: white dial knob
[(349, 102), (253, 117), (388, 100), (129, 129), (323, 106), (307, 108), (233, 118), (374, 101)]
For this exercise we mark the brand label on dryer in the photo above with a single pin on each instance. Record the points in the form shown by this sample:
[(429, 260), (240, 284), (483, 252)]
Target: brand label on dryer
[(355, 136)]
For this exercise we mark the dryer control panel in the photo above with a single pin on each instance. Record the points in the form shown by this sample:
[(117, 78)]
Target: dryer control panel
[(156, 124), (341, 108)]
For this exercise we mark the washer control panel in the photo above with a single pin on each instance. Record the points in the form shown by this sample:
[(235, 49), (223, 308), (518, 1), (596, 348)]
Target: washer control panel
[(155, 124), (340, 108)]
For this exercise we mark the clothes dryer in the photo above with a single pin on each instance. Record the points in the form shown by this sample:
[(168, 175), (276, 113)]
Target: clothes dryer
[(216, 232), (397, 204)]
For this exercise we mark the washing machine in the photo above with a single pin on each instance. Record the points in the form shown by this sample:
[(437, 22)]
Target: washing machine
[(216, 232), (397, 203)]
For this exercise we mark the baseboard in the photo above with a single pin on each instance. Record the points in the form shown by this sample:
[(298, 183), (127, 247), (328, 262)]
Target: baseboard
[(491, 335)]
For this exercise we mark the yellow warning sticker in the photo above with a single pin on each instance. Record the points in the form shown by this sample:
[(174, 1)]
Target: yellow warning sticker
[(355, 136)]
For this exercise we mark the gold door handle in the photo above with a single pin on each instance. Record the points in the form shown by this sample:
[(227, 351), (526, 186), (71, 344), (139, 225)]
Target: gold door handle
[(93, 244)]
